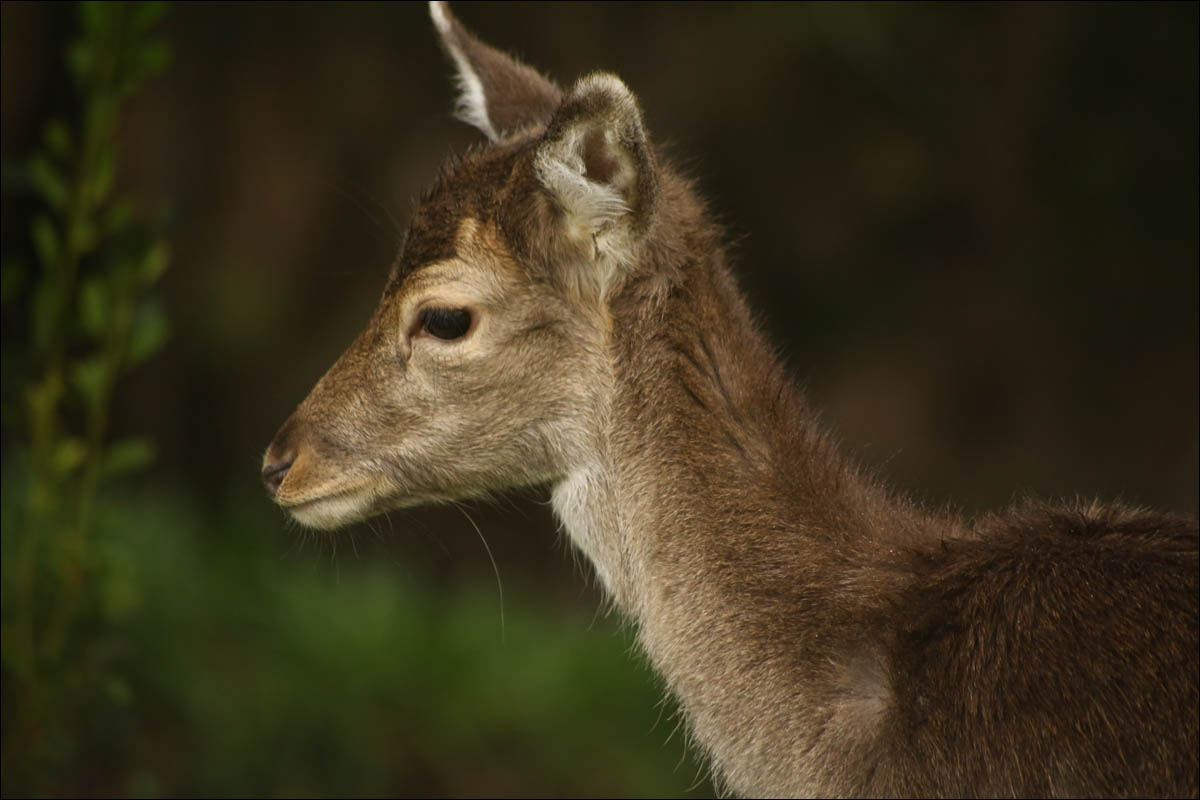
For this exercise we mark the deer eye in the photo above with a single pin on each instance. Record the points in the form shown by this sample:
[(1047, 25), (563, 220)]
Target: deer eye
[(445, 323)]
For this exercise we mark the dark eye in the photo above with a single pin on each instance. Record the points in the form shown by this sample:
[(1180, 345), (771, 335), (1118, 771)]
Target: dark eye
[(445, 323)]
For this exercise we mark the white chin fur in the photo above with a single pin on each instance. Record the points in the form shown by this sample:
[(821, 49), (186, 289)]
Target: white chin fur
[(328, 513)]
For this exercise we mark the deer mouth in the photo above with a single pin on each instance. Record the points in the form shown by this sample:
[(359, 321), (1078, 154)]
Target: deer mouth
[(333, 510)]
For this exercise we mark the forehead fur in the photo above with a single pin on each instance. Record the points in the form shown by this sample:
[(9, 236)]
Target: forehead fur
[(489, 184)]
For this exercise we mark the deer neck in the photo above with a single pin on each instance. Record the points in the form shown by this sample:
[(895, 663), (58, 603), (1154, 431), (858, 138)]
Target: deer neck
[(700, 451), (721, 518)]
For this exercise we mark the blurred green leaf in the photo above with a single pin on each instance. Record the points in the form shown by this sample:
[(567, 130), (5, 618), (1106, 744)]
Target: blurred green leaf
[(144, 15), (95, 306), (127, 455), (95, 16), (84, 236), (101, 117), (69, 455), (48, 182), (89, 377), (118, 690), (118, 215), (157, 259), (150, 60), (58, 139), (46, 241), (81, 58), (104, 167), (41, 398), (45, 312), (148, 334)]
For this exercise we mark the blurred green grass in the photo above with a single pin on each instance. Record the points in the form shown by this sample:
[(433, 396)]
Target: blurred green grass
[(228, 663)]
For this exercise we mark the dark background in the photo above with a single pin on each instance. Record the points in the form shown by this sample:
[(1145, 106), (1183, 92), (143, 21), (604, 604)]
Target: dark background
[(971, 230)]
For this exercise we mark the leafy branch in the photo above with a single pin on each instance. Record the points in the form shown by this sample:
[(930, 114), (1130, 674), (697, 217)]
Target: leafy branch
[(92, 317)]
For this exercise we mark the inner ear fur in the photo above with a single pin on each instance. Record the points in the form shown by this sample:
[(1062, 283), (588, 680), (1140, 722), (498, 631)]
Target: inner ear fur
[(596, 161)]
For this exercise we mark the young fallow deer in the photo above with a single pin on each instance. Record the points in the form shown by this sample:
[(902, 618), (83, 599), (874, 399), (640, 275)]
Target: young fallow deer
[(562, 313)]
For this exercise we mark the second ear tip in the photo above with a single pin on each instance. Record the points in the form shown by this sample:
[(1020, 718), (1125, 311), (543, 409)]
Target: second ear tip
[(439, 12)]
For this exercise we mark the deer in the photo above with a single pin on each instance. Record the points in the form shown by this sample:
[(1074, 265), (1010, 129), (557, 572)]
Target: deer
[(562, 313)]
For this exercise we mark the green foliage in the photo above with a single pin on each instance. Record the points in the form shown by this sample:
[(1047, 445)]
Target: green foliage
[(89, 317), (229, 671)]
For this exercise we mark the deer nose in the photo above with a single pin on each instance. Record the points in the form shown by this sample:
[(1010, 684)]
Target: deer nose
[(275, 468)]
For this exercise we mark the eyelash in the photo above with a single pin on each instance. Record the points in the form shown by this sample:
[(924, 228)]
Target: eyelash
[(446, 324)]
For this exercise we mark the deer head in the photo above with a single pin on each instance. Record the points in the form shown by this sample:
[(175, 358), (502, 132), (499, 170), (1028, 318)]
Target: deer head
[(485, 361)]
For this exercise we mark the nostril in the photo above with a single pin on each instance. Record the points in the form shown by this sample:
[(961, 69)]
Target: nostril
[(273, 473)]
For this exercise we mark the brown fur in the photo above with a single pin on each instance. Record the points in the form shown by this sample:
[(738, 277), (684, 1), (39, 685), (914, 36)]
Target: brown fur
[(822, 636)]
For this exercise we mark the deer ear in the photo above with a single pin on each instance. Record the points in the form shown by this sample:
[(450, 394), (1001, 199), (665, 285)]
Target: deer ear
[(596, 162), (498, 94)]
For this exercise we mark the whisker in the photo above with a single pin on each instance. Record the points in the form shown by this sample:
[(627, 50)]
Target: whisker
[(495, 568), (356, 201)]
